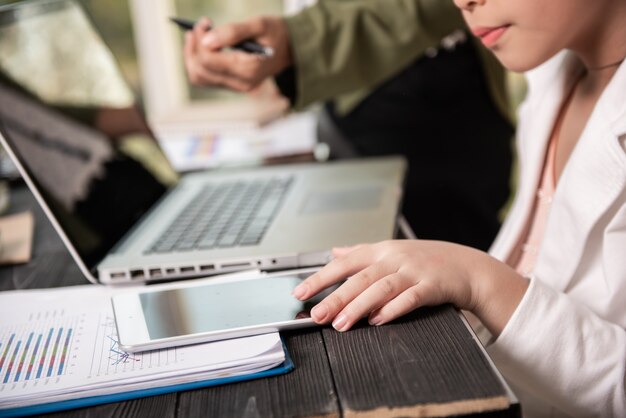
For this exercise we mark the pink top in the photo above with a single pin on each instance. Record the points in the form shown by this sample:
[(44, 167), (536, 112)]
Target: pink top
[(525, 255), (528, 248)]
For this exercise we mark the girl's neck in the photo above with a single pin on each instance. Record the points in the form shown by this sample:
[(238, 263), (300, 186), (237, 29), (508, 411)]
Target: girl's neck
[(594, 81), (603, 49)]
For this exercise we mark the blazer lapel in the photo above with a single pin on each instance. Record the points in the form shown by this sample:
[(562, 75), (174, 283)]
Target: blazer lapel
[(532, 143), (594, 177)]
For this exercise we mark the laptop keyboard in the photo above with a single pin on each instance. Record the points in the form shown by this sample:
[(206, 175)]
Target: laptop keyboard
[(225, 215)]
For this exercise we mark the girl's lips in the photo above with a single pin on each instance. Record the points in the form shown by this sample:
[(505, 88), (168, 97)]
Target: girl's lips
[(489, 36)]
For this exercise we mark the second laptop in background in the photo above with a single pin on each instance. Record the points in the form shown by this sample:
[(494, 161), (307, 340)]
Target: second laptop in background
[(91, 161)]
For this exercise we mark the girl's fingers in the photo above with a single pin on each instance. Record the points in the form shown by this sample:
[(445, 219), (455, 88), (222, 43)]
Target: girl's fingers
[(351, 289), (341, 251), (412, 298), (372, 298), (337, 270)]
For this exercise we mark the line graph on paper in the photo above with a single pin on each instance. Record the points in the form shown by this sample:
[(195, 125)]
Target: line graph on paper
[(109, 359), (40, 349), (117, 355)]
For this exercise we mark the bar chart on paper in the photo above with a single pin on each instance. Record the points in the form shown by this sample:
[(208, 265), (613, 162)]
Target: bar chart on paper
[(50, 345), (39, 348), (61, 345)]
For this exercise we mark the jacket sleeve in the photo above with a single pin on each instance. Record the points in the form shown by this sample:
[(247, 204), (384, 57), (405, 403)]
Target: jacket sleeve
[(558, 351), (343, 45)]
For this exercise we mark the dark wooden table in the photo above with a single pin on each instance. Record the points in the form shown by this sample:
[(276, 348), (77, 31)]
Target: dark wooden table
[(425, 364)]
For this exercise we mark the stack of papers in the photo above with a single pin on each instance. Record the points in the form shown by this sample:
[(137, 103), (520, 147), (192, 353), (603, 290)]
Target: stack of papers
[(61, 344), (289, 136)]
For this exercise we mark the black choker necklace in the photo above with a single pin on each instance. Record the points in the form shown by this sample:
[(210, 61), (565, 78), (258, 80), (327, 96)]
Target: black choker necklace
[(603, 67)]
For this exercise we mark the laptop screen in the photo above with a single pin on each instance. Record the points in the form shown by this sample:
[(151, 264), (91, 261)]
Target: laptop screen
[(71, 121)]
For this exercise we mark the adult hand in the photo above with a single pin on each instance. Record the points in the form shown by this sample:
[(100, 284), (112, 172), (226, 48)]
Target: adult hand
[(389, 279), (208, 64)]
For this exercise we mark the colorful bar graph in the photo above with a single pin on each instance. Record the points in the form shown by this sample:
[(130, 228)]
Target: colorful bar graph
[(65, 351), (20, 365), (38, 349), (54, 352), (42, 360), (12, 362), (33, 357), (5, 353)]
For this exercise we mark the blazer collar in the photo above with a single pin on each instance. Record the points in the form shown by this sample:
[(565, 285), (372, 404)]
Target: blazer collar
[(538, 113), (594, 177)]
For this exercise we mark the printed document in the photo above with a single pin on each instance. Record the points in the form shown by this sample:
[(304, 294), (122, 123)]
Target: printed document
[(59, 344)]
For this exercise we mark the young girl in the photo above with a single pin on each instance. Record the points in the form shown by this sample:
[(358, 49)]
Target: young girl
[(553, 291)]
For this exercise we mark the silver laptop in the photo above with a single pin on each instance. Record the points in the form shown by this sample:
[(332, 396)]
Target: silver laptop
[(70, 125)]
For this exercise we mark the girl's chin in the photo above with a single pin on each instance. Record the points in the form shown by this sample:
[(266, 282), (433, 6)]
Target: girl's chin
[(517, 61)]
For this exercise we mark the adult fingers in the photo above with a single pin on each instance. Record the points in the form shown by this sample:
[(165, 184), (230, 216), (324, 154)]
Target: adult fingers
[(200, 76), (238, 71), (191, 52), (371, 299), (201, 28), (233, 33), (351, 289), (191, 46), (189, 55), (233, 64)]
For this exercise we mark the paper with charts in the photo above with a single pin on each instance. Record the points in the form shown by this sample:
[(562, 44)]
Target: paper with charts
[(61, 344)]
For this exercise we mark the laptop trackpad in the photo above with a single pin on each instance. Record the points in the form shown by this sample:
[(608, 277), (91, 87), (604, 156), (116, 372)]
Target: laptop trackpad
[(342, 200)]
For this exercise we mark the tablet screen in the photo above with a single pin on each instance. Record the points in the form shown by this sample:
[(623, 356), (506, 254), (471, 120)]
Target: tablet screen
[(215, 307)]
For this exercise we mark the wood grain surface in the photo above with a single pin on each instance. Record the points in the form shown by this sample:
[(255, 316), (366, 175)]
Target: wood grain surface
[(426, 364)]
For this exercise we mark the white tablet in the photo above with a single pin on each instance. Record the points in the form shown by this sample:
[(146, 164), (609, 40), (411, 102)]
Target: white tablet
[(206, 311)]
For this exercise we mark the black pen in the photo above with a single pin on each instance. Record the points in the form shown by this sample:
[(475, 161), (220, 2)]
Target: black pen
[(246, 46)]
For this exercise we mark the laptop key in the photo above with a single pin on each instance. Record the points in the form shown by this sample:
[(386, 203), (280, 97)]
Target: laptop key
[(228, 241)]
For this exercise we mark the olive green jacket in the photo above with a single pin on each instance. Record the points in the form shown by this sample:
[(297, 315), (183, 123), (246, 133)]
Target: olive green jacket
[(344, 48)]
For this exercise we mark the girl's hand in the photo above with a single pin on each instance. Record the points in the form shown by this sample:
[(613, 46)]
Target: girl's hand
[(391, 278)]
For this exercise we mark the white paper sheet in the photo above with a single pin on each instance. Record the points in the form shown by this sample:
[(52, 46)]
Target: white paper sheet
[(59, 344), (292, 135)]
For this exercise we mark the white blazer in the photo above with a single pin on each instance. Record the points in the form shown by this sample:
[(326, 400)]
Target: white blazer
[(564, 348)]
